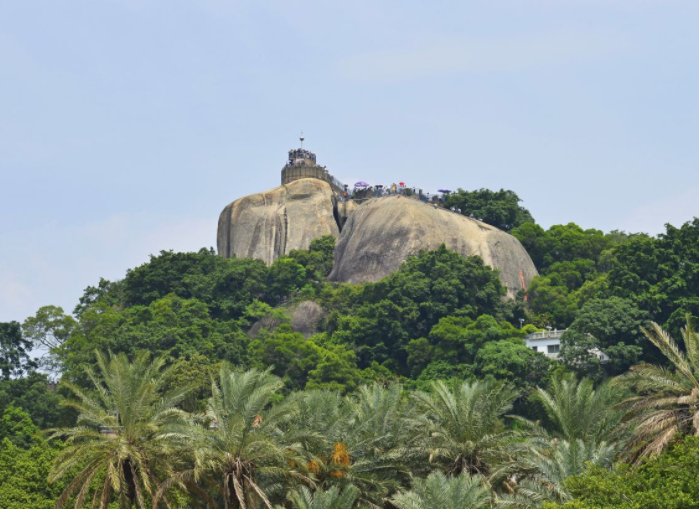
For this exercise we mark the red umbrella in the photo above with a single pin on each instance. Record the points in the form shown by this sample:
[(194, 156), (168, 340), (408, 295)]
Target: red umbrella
[(401, 183)]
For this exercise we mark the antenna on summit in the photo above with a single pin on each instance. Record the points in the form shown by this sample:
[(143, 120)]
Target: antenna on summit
[(302, 138)]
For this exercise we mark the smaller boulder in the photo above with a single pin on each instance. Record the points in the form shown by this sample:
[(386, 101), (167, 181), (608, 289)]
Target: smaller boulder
[(306, 317)]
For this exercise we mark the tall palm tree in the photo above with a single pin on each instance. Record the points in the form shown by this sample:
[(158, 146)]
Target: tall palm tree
[(667, 401), (579, 411), (461, 428), (243, 452), (122, 436), (583, 421), (333, 498), (441, 492)]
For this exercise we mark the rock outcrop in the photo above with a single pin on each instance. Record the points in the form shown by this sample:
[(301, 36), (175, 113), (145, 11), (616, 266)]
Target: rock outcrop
[(344, 210), (305, 317), (270, 224), (381, 233), (377, 236)]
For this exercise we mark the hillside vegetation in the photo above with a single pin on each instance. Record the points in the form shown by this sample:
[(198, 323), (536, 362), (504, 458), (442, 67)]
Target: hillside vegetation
[(200, 381)]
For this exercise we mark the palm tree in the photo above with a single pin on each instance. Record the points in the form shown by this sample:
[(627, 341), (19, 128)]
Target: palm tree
[(243, 452), (441, 492), (353, 441), (122, 436), (330, 499), (579, 411), (583, 421), (461, 429), (667, 401), (549, 465)]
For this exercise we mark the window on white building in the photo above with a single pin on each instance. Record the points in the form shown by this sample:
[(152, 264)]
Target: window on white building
[(554, 348), (535, 348)]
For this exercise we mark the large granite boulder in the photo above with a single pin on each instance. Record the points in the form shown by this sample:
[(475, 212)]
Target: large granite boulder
[(381, 233), (270, 224)]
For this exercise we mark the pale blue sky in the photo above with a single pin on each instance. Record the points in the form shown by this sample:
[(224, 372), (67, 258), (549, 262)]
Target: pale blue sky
[(126, 126)]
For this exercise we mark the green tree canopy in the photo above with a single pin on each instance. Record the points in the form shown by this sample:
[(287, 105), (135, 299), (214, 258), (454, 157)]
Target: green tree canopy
[(227, 286), (32, 394), (666, 482), (512, 361), (462, 426), (612, 325), (564, 243), (172, 327), (50, 327), (23, 474), (14, 351), (16, 425), (661, 275), (572, 263), (501, 208), (380, 319), (317, 260)]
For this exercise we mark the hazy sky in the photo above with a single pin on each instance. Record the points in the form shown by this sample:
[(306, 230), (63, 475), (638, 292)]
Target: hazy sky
[(127, 126)]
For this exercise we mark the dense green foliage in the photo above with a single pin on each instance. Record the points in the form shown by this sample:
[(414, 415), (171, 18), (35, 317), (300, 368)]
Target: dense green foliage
[(614, 326), (661, 275), (273, 388), (501, 208), (33, 394), (571, 262), (667, 482), (23, 474), (668, 401), (604, 287), (25, 461), (14, 348), (451, 443), (123, 434), (184, 305), (439, 491), (378, 320), (253, 449), (439, 316)]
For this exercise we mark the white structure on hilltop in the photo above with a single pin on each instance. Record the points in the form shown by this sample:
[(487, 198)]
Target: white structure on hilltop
[(549, 344)]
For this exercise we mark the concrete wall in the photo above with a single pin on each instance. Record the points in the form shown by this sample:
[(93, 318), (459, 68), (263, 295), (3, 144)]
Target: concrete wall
[(542, 345), (291, 173)]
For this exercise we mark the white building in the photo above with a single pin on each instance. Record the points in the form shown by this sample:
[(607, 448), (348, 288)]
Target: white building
[(549, 343)]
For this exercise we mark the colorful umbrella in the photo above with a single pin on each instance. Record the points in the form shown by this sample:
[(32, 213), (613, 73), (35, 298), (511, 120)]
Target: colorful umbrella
[(361, 184), (444, 190)]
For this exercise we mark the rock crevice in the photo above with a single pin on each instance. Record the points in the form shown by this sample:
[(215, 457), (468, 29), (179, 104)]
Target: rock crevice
[(271, 224)]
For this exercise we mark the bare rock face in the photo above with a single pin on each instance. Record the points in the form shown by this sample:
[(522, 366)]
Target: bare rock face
[(305, 317), (381, 233), (344, 210), (270, 224)]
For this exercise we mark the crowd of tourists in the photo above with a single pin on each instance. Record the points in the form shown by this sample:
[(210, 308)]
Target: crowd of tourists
[(299, 155), (363, 191)]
